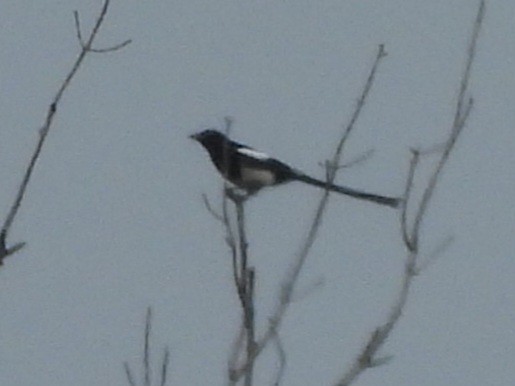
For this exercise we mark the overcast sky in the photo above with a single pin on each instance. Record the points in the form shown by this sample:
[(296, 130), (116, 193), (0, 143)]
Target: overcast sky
[(114, 219)]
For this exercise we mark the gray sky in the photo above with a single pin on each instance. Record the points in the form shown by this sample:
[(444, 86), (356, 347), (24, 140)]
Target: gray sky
[(114, 219)]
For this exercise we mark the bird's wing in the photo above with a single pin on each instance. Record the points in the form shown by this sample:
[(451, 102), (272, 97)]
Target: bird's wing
[(254, 159)]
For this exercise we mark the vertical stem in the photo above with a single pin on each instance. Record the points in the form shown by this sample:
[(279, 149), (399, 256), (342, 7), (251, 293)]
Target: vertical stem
[(250, 325), (146, 348), (242, 239), (247, 277)]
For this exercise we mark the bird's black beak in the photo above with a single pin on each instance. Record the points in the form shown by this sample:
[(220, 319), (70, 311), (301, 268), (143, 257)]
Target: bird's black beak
[(194, 136)]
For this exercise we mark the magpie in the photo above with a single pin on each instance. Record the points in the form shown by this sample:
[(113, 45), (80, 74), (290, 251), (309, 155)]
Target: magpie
[(251, 170)]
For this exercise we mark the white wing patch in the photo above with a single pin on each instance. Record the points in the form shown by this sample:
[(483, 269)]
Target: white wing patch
[(253, 153)]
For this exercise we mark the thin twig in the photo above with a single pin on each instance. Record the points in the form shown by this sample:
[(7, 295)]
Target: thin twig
[(282, 359), (415, 156), (77, 28), (236, 349), (291, 277), (358, 160), (381, 53), (146, 348), (460, 118), (116, 47), (436, 253), (211, 210), (308, 290), (128, 373), (164, 366), (43, 132)]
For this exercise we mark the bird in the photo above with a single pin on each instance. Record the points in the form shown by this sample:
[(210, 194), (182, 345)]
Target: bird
[(251, 170)]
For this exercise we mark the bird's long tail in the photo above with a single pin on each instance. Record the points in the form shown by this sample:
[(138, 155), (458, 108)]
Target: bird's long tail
[(389, 201)]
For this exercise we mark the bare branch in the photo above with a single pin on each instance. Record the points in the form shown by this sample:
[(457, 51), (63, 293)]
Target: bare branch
[(116, 47), (367, 358), (381, 53), (211, 210), (77, 28), (460, 118), (291, 277), (86, 47), (128, 373)]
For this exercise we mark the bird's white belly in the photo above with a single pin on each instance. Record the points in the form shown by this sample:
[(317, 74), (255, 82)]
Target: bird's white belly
[(257, 177)]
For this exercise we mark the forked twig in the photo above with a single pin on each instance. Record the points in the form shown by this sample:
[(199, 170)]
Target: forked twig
[(87, 47)]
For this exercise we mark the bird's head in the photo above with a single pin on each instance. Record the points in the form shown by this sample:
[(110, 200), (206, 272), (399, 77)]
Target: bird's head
[(209, 137)]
